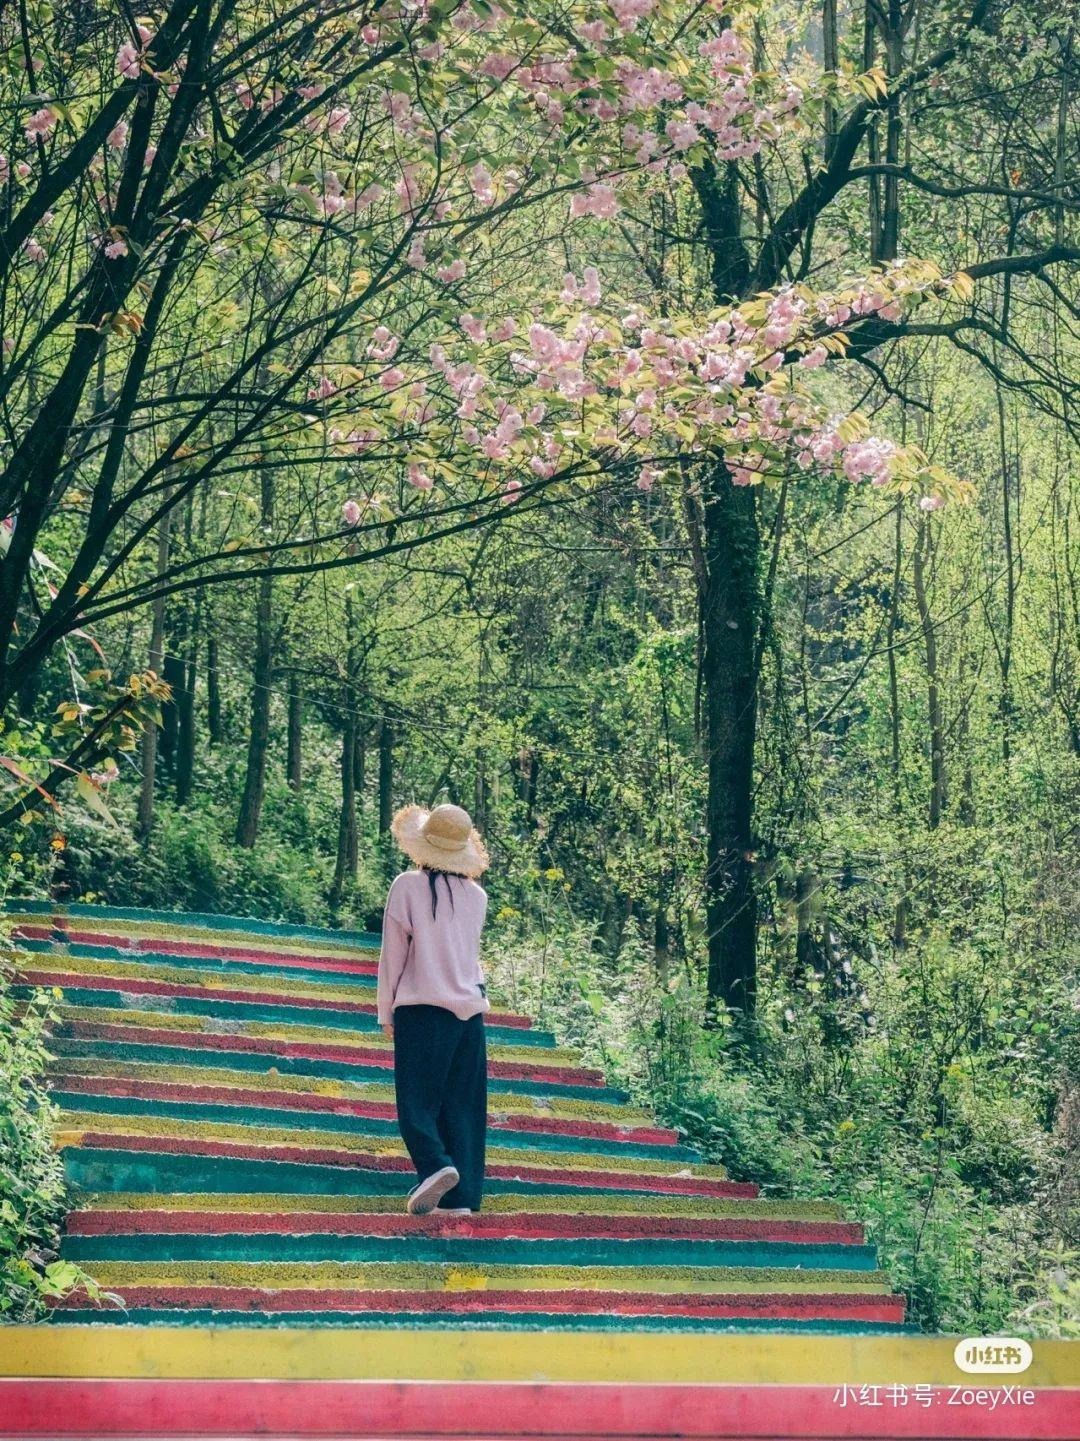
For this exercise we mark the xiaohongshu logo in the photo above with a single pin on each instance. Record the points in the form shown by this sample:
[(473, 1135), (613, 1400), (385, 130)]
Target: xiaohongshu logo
[(992, 1355)]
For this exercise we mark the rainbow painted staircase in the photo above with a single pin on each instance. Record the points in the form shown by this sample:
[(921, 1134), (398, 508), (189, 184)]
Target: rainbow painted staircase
[(227, 1124)]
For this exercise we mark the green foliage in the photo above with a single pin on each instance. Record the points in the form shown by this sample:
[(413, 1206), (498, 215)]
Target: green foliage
[(941, 1154), (32, 1195)]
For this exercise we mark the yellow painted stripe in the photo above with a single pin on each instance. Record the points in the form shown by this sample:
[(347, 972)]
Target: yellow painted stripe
[(506, 1203), (74, 1125), (555, 1057), (418, 1276), (499, 1102), (208, 980), (227, 940), (448, 1355)]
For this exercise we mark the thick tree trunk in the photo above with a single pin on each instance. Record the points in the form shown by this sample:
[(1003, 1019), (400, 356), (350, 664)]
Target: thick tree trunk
[(294, 753), (830, 54), (894, 64), (730, 615), (247, 822)]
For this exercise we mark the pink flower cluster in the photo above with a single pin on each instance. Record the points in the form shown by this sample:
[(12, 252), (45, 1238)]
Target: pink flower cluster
[(129, 58)]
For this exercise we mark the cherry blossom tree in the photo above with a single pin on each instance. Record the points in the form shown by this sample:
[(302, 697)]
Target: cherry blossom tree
[(274, 242)]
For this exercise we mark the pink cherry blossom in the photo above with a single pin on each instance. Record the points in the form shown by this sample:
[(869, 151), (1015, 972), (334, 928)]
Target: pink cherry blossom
[(481, 184), (384, 343), (115, 248), (117, 136), (351, 512), (415, 255), (127, 61), (40, 123), (454, 271), (370, 195), (931, 502), (419, 478), (813, 358), (598, 200), (473, 327)]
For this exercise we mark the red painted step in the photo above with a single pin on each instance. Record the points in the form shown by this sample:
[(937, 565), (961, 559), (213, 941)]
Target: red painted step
[(495, 1410), (831, 1306), (350, 1160), (380, 1056), (328, 1105), (146, 986), (493, 1224)]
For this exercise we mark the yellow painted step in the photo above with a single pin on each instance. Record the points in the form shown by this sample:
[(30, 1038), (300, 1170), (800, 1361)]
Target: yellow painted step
[(73, 1126), (457, 1276)]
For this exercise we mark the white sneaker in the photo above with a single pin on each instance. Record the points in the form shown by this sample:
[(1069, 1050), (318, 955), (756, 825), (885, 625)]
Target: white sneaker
[(424, 1197)]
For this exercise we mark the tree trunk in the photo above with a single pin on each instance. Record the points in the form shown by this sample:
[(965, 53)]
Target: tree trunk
[(895, 750), (933, 689), (386, 775), (145, 818), (294, 757), (214, 731), (185, 714), (730, 614), (360, 764), (894, 64), (247, 822), (347, 848), (831, 62)]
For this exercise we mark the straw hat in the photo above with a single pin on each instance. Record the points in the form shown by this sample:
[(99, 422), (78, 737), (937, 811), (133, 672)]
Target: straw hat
[(443, 839)]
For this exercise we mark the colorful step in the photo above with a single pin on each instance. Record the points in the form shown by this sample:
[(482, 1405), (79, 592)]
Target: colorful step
[(227, 1122), (226, 1107), (441, 1379)]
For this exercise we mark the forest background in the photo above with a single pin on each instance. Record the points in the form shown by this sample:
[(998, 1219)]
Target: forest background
[(650, 426)]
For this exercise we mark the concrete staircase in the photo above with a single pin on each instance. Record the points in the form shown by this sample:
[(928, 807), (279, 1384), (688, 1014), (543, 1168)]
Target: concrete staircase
[(227, 1124)]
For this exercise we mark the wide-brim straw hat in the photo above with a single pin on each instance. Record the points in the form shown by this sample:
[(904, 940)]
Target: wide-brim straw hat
[(444, 839)]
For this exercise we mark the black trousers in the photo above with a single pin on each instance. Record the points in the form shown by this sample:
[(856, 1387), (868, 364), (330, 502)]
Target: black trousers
[(440, 1080)]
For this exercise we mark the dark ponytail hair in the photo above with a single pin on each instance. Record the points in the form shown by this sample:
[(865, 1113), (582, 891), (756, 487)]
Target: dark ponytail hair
[(433, 883)]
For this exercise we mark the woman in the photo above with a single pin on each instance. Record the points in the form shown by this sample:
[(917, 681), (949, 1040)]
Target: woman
[(432, 1001)]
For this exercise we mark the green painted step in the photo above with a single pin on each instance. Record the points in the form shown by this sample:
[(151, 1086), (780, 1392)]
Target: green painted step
[(179, 1055), (98, 1168), (767, 1257), (363, 1026)]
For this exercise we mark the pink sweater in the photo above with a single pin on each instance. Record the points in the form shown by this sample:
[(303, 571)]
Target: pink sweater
[(432, 962)]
